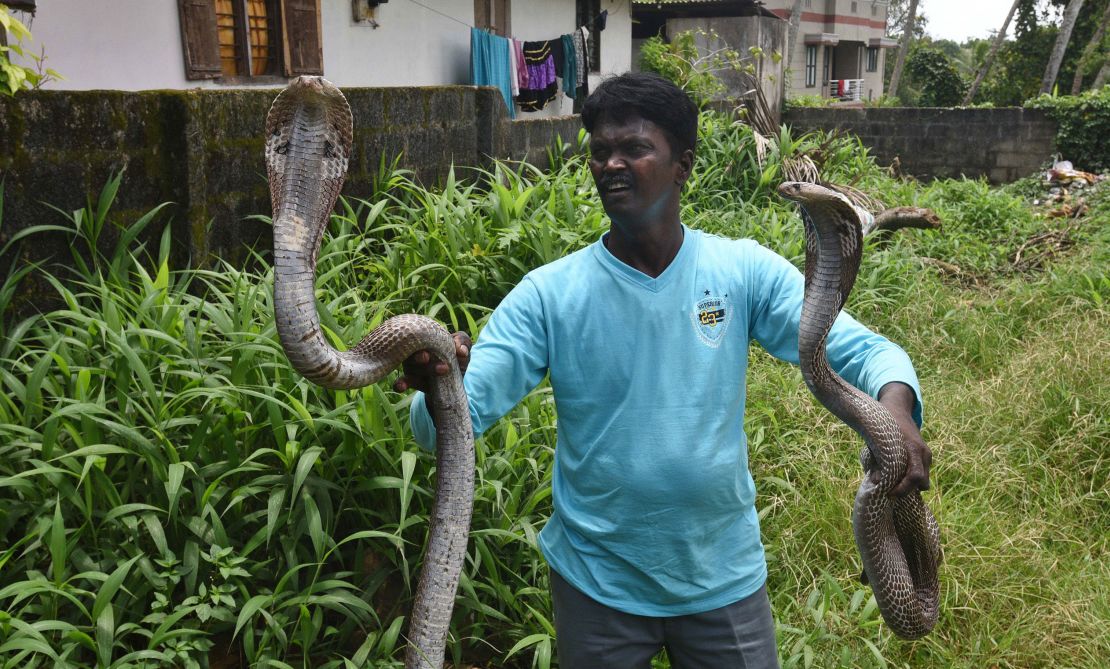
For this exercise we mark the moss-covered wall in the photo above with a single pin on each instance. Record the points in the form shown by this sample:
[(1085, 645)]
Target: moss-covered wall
[(202, 151)]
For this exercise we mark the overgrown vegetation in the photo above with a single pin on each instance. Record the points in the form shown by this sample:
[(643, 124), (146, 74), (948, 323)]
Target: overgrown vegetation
[(1083, 126), (173, 495)]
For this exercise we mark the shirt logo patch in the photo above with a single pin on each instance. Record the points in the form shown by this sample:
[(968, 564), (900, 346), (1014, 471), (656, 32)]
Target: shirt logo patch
[(711, 316)]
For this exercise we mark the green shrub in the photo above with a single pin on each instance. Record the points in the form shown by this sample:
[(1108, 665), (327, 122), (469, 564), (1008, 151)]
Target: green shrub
[(680, 61), (1083, 126), (936, 76)]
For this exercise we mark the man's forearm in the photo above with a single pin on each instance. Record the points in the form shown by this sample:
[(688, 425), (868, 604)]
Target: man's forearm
[(898, 397)]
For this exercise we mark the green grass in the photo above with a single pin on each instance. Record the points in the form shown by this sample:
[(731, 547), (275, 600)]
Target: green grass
[(172, 494)]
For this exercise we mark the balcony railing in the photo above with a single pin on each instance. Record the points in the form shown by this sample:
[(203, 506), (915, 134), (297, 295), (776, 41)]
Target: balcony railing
[(846, 89)]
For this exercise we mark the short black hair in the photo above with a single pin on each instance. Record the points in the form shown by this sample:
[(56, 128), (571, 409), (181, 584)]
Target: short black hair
[(650, 97)]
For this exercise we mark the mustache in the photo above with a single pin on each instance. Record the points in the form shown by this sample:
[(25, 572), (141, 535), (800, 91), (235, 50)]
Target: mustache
[(606, 183)]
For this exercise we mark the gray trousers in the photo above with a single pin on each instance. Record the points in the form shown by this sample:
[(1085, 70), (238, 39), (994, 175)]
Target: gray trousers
[(590, 635)]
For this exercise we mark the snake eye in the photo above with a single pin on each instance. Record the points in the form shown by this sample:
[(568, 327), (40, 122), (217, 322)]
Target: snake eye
[(282, 149)]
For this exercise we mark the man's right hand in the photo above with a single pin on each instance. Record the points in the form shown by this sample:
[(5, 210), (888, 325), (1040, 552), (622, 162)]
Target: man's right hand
[(421, 367)]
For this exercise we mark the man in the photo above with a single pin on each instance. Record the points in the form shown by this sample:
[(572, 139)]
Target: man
[(654, 539)]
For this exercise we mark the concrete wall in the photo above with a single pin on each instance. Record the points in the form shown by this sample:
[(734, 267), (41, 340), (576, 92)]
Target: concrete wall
[(742, 33), (202, 150), (1002, 145), (135, 45)]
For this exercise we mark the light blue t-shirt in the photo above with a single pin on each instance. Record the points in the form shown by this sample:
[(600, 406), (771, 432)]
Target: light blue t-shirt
[(654, 505)]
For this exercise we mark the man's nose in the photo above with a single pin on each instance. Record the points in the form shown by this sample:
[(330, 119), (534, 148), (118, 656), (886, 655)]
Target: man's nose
[(616, 162)]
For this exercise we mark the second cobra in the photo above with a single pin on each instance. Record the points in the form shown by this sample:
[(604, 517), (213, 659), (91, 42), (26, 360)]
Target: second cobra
[(308, 142), (898, 538)]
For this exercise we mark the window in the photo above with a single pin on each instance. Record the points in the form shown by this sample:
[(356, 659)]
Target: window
[(585, 11), (872, 59), (855, 7), (811, 66), (493, 15), (245, 39)]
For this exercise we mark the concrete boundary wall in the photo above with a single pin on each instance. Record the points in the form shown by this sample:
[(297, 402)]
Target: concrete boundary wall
[(1003, 144), (202, 150)]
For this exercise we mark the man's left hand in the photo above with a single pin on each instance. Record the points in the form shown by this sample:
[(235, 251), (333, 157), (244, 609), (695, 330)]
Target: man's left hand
[(899, 399)]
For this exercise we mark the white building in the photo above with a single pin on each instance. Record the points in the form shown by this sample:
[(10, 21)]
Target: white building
[(179, 44), (840, 48)]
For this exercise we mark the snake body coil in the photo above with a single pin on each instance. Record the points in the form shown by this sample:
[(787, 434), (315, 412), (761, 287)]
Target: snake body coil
[(898, 538), (309, 136)]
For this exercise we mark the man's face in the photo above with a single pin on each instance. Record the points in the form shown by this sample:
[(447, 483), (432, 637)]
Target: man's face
[(634, 168)]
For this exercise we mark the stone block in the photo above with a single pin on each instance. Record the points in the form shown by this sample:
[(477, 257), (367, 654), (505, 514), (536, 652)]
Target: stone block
[(367, 107), (450, 104), (406, 107)]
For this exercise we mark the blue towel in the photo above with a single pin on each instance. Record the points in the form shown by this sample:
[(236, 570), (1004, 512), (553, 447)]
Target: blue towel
[(489, 64)]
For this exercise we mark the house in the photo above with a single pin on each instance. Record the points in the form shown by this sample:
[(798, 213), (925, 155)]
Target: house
[(142, 45), (839, 50)]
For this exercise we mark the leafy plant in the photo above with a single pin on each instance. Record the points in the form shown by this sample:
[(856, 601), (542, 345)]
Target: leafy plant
[(13, 76), (693, 69)]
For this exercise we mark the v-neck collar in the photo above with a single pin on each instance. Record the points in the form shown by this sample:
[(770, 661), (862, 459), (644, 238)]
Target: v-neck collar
[(630, 273)]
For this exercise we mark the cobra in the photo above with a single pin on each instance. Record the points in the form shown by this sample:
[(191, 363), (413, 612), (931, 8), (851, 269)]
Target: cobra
[(898, 538), (308, 143)]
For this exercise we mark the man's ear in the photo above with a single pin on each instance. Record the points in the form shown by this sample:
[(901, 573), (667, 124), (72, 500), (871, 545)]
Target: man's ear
[(685, 166)]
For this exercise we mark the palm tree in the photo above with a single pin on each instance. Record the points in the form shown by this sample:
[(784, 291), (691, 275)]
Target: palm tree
[(1089, 50), (907, 37), (998, 39), (1071, 13), (1103, 75)]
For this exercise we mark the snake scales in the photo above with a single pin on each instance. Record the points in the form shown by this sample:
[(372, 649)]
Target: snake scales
[(898, 538), (308, 143)]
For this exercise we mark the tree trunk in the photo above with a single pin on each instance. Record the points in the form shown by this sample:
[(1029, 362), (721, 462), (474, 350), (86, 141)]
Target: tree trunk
[(792, 31), (1089, 50), (998, 40), (1071, 13), (1103, 75), (904, 48)]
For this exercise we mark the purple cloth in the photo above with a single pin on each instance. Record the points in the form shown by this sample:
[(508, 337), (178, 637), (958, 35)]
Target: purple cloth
[(541, 76)]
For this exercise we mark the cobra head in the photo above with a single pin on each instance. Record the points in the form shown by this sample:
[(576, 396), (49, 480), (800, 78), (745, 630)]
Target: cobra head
[(823, 205)]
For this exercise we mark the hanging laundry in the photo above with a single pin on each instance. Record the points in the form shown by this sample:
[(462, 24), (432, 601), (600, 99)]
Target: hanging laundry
[(569, 70), (489, 64), (514, 79), (542, 87), (521, 68), (582, 52)]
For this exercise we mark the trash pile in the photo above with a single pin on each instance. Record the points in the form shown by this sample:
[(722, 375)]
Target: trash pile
[(1066, 197), (1065, 186)]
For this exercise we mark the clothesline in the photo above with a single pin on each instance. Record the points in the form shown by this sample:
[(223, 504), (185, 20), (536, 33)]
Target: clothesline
[(528, 72), (603, 15)]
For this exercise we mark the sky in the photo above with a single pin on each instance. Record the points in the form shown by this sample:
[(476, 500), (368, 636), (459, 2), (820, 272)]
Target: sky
[(960, 19)]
